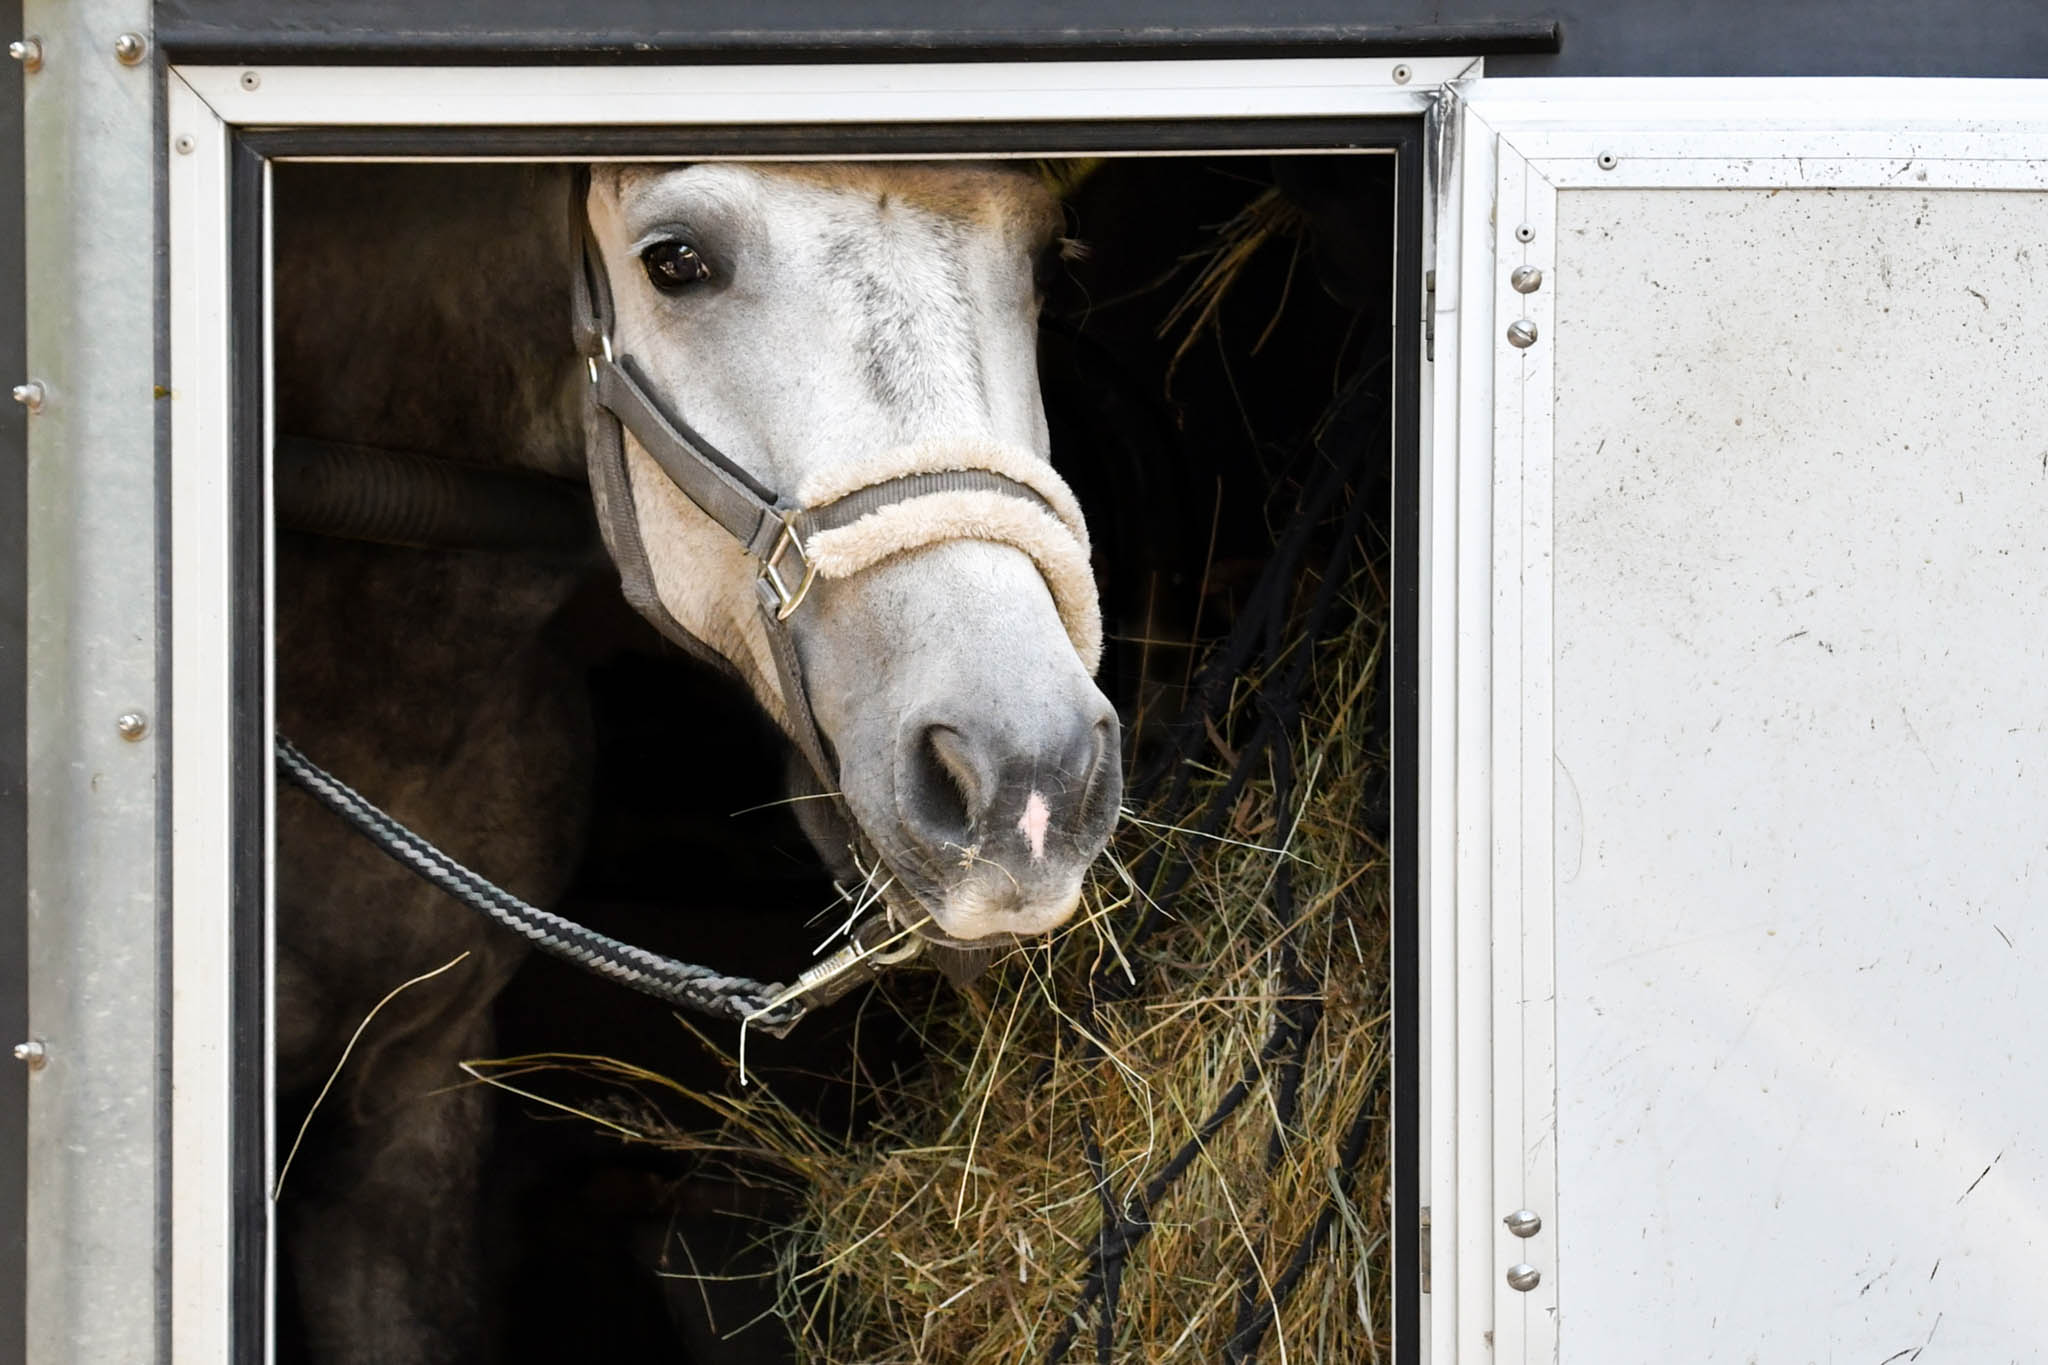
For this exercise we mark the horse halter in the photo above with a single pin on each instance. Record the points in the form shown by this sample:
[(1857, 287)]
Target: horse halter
[(992, 493)]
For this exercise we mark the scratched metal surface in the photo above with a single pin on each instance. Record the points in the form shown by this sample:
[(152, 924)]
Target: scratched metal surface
[(1802, 737)]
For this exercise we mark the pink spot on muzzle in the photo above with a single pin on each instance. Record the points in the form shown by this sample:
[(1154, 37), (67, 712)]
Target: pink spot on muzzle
[(1031, 824)]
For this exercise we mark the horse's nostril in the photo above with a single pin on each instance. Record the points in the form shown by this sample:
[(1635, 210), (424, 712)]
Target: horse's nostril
[(1102, 742), (1083, 758), (1100, 777), (945, 785)]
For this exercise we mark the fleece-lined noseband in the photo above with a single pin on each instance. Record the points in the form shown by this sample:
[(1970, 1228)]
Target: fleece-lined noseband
[(842, 520)]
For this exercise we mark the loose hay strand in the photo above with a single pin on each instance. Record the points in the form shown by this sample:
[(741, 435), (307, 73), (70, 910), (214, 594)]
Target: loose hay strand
[(283, 1169)]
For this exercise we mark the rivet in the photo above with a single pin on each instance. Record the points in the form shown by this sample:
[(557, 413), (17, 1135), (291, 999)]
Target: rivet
[(133, 725), (250, 80), (32, 1054), (27, 51), (1607, 161), (1524, 1222), (130, 48), (1527, 279), (30, 395), (1524, 1277), (1521, 334), (1525, 233), (184, 144), (1403, 74)]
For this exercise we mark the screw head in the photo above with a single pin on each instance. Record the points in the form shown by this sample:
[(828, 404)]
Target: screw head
[(1527, 279), (133, 725), (184, 144), (27, 51), (130, 48), (1607, 161), (250, 80), (1521, 334), (1525, 233), (1524, 1222), (1524, 1277), (1403, 74), (30, 395), (32, 1054)]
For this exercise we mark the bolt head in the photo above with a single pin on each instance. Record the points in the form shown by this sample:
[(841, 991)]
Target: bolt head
[(250, 80), (133, 725), (1524, 1277), (1403, 74), (1607, 161), (1525, 233), (1521, 334), (1524, 1222), (184, 144), (1527, 279), (27, 51), (130, 48), (32, 1054)]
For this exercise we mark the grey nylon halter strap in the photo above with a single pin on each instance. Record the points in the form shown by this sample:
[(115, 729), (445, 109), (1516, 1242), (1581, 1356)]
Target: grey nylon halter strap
[(773, 529)]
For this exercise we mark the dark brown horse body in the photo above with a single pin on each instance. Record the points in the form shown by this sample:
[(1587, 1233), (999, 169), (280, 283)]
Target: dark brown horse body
[(428, 676)]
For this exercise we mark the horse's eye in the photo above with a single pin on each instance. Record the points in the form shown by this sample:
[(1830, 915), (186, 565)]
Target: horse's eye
[(673, 265)]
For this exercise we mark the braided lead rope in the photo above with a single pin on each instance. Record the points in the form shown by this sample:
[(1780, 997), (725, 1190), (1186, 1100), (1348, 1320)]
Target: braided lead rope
[(679, 983)]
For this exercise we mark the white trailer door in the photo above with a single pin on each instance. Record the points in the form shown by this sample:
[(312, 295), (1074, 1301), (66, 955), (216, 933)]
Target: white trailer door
[(1737, 722)]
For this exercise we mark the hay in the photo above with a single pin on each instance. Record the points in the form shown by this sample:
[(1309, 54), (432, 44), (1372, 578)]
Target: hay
[(1165, 1148), (1268, 217), (1044, 1189)]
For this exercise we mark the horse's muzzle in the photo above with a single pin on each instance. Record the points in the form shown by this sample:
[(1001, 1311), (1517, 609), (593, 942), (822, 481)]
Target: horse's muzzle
[(1006, 824)]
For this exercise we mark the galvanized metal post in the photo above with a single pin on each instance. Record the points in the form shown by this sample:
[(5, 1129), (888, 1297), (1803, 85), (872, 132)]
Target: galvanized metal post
[(97, 1159)]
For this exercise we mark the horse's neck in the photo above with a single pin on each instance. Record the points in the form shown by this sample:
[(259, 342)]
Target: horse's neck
[(425, 308)]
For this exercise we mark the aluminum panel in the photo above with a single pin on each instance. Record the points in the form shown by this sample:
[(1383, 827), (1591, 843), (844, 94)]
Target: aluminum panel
[(1800, 581)]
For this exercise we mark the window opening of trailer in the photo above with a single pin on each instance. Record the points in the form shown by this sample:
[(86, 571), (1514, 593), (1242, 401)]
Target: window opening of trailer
[(1157, 1112)]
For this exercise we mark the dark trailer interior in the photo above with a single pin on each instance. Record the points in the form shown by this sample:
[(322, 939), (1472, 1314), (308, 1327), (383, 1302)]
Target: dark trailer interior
[(1217, 358)]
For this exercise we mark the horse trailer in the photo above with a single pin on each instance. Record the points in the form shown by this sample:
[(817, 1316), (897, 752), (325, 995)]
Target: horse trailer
[(1489, 556)]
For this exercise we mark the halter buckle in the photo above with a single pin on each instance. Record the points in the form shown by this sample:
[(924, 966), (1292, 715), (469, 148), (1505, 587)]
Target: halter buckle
[(605, 341), (786, 599)]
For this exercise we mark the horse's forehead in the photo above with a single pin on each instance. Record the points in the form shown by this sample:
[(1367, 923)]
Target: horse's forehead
[(974, 196)]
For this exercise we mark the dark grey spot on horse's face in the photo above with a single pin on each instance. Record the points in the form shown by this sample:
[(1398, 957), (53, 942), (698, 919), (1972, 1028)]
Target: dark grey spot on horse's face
[(917, 313)]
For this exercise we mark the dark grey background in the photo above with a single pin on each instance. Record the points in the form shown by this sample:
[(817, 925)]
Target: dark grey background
[(1592, 38), (1599, 37)]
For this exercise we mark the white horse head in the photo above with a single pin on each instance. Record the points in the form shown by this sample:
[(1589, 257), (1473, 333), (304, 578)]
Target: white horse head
[(824, 327)]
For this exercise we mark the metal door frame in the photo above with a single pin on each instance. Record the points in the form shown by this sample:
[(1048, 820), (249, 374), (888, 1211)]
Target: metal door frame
[(211, 142)]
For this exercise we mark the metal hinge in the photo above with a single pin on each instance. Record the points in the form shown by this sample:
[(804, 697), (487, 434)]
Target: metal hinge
[(1422, 1253), (1429, 317)]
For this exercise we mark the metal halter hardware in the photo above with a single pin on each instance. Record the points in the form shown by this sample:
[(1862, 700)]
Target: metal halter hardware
[(787, 600)]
